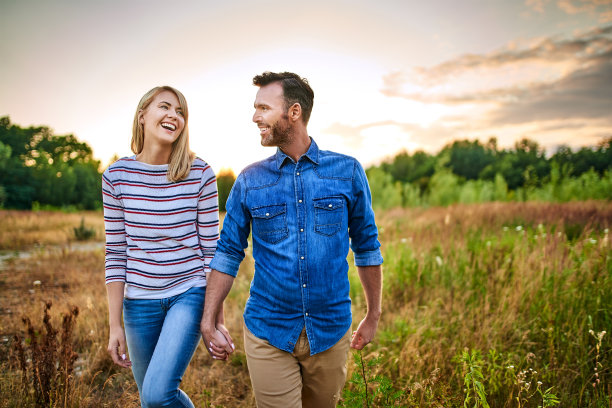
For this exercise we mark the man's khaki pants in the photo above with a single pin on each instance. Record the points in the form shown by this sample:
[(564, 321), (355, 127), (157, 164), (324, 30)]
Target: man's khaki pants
[(294, 380)]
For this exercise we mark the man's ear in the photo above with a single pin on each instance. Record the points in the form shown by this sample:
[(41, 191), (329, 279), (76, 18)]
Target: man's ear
[(295, 111)]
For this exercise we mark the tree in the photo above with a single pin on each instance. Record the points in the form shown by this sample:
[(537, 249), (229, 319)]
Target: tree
[(225, 181)]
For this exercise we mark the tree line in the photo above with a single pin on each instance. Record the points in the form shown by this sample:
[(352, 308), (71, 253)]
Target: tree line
[(39, 169), (470, 171)]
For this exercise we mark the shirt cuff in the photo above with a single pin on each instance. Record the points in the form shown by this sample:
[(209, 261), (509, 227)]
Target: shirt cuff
[(225, 263), (369, 258)]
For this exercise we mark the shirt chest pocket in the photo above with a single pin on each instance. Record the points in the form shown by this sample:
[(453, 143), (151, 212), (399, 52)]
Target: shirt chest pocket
[(270, 222), (329, 213)]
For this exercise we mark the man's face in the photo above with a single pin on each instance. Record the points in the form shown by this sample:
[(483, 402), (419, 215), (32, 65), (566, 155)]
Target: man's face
[(271, 117)]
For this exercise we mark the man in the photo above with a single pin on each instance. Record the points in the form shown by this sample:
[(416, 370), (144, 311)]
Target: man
[(302, 204)]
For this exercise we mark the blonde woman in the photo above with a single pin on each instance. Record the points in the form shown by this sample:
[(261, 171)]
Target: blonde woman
[(162, 225)]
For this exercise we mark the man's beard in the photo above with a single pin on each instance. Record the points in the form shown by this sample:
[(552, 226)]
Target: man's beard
[(280, 133)]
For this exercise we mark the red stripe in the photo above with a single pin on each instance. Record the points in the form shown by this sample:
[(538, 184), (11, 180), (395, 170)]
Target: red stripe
[(163, 239), (158, 251), (159, 200), (168, 287), (150, 213), (164, 264), (207, 198), (168, 186), (163, 277), (162, 227)]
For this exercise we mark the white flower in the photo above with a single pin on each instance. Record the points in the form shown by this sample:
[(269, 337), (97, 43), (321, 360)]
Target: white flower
[(36, 283), (439, 260), (519, 228)]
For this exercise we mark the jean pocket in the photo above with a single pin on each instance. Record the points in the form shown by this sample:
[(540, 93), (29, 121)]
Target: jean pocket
[(329, 213), (270, 222)]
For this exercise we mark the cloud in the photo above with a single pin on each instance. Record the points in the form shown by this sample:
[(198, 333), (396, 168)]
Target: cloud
[(599, 8), (551, 79)]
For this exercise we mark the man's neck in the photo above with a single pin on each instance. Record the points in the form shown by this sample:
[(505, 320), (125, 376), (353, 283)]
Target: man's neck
[(299, 145)]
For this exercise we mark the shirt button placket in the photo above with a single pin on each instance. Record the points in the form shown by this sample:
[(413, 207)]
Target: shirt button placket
[(301, 236)]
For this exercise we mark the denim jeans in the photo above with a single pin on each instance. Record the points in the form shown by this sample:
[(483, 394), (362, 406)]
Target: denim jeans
[(162, 335)]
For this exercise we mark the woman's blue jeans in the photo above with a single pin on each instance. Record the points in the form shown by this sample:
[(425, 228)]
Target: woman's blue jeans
[(162, 335)]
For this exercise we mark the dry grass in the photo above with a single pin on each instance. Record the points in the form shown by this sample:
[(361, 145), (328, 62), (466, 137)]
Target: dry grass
[(23, 229), (456, 277)]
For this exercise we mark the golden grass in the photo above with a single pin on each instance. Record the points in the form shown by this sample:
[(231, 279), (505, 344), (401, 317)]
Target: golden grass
[(22, 229), (424, 323)]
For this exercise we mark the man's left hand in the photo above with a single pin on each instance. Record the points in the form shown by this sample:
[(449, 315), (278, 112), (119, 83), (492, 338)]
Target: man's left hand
[(365, 332)]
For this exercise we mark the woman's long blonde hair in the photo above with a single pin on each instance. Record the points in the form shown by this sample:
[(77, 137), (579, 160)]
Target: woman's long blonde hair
[(181, 157)]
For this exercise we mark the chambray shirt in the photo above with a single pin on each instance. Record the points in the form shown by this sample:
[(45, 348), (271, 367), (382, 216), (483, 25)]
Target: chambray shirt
[(302, 215)]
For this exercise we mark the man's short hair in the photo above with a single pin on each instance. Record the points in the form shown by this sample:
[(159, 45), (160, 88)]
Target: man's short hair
[(295, 90)]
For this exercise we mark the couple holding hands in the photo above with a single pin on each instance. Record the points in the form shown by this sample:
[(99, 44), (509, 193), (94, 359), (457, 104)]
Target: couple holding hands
[(168, 270)]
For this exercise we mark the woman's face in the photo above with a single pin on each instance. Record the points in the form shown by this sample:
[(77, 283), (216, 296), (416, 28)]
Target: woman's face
[(162, 120)]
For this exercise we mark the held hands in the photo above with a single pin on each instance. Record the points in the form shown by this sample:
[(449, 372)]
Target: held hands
[(218, 341), (365, 332), (116, 347)]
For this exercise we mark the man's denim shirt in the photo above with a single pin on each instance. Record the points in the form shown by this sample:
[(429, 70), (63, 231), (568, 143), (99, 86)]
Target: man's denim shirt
[(302, 215)]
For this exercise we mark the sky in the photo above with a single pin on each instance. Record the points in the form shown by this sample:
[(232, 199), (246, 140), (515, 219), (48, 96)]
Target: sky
[(388, 75)]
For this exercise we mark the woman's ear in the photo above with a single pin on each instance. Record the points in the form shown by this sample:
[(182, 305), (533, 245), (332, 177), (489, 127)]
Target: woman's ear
[(141, 117)]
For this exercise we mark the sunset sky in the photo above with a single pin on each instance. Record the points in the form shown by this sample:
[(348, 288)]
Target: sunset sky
[(388, 74)]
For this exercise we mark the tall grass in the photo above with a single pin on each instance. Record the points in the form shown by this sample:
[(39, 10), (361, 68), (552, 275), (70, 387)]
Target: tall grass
[(504, 304)]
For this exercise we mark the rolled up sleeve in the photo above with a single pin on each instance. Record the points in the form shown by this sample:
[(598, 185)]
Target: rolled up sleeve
[(362, 225), (235, 232)]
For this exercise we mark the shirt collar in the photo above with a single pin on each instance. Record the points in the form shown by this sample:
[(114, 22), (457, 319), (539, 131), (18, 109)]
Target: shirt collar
[(312, 154)]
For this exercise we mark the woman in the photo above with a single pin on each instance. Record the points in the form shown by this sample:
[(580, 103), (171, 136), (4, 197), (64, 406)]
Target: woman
[(162, 224)]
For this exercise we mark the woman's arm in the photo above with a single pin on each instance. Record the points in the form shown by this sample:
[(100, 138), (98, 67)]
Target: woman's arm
[(116, 339)]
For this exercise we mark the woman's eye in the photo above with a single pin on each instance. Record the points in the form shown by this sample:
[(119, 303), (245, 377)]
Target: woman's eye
[(179, 113)]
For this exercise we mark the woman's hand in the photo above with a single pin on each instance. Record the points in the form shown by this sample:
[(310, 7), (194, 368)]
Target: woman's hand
[(116, 347), (216, 342)]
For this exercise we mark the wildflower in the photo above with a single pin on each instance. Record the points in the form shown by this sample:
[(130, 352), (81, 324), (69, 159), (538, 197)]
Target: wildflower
[(539, 382), (519, 228), (505, 228), (36, 283), (593, 241), (403, 240), (511, 367), (438, 260)]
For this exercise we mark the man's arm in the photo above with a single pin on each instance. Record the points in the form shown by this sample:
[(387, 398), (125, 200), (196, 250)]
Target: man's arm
[(217, 342), (371, 280)]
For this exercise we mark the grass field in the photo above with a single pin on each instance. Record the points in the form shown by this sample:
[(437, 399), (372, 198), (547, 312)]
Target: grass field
[(500, 304)]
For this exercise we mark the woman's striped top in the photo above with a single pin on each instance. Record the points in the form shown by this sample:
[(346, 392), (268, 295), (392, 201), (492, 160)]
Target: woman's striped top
[(160, 235)]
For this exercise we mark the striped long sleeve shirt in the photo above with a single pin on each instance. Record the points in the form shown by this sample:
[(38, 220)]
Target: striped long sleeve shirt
[(160, 235)]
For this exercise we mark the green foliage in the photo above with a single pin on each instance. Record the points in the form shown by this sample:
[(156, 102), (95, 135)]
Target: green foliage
[(83, 233), (369, 390), (225, 181), (388, 193), (38, 166), (471, 172)]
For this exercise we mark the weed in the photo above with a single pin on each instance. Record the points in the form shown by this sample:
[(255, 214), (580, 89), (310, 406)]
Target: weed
[(473, 379), (47, 364), (83, 233)]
